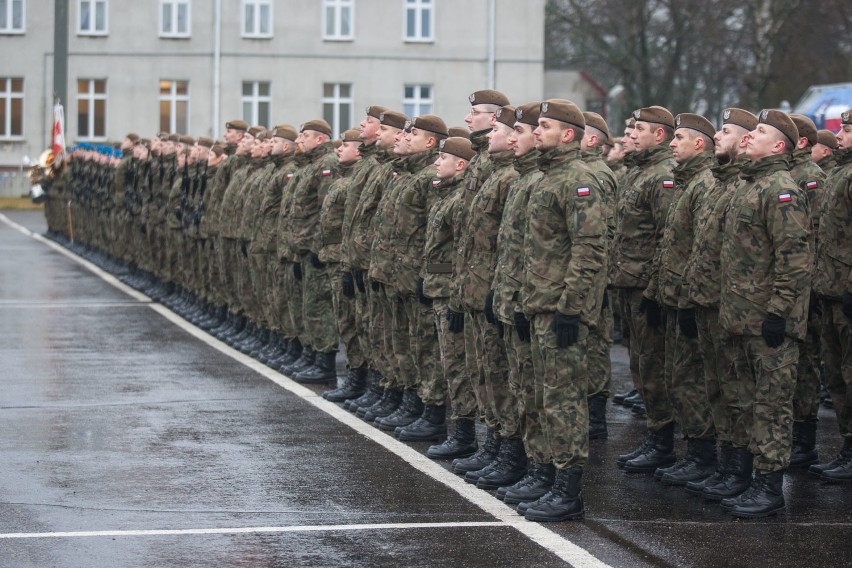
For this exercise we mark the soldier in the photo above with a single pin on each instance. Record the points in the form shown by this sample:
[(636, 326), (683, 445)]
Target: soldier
[(766, 280), (833, 282), (562, 294), (823, 151)]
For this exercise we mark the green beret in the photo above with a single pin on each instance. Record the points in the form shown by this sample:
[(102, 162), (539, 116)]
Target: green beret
[(595, 120), (459, 131), (187, 140), (318, 125), (488, 97), (393, 118), (351, 135), (739, 117), (173, 138), (563, 111), (506, 115), (430, 123), (256, 131), (206, 142), (846, 117), (528, 113), (375, 110), (237, 125), (132, 136), (806, 127), (827, 138), (695, 122), (458, 146), (285, 131), (780, 120), (655, 114)]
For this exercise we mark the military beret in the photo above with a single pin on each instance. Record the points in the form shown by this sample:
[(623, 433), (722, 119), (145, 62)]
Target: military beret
[(563, 111), (610, 141), (595, 120), (337, 144), (528, 113), (655, 114), (488, 97), (806, 127), (827, 138), (375, 110), (431, 123), (285, 131), (458, 146), (187, 140), (459, 131), (132, 136), (218, 149), (351, 135), (163, 135), (846, 116), (143, 142), (237, 125), (782, 121), (695, 122), (506, 115), (173, 138), (319, 125), (739, 117), (630, 123), (256, 131), (206, 142), (393, 118)]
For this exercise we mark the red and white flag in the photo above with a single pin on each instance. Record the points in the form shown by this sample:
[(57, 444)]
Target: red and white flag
[(58, 136)]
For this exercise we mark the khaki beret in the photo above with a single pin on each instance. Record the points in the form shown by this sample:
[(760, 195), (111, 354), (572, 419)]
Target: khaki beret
[(488, 97), (337, 144), (187, 140), (827, 138), (506, 115), (256, 131), (393, 118), (782, 121), (695, 122), (655, 114), (459, 131), (318, 125), (430, 123), (806, 127), (237, 125), (173, 138), (846, 116), (458, 146), (630, 123), (285, 131), (132, 136), (351, 135), (739, 117), (595, 120), (206, 142), (563, 111), (610, 141), (375, 110), (163, 135), (143, 142), (528, 113), (218, 149)]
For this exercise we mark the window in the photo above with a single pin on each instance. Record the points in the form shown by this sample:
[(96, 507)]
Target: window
[(11, 108), (12, 16), (337, 19), (419, 20), (174, 18), (337, 104), (256, 102), (417, 100), (174, 106), (92, 17), (257, 18), (91, 108)]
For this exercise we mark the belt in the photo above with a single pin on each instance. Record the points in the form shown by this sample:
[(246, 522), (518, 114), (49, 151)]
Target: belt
[(439, 267)]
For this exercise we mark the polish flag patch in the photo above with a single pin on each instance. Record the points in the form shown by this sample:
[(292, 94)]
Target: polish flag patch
[(289, 176), (668, 183), (812, 185), (326, 173), (785, 197), (436, 183), (583, 191)]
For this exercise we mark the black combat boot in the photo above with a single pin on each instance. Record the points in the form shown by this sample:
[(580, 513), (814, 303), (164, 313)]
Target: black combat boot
[(736, 479), (538, 485), (511, 466), (597, 417), (432, 425), (303, 362), (240, 323), (406, 413), (700, 463), (842, 472), (635, 397), (372, 395), (660, 454), (804, 444), (353, 386), (529, 476), (461, 444), (639, 409), (843, 458), (763, 498), (261, 342), (697, 487), (565, 500), (486, 454), (619, 398), (273, 349), (323, 369), (281, 353), (224, 325), (294, 352), (390, 401), (641, 449)]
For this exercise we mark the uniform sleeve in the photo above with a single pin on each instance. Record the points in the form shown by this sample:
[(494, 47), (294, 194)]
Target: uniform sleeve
[(659, 201), (787, 222)]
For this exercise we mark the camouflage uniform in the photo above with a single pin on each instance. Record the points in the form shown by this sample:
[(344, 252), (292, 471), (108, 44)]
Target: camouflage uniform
[(229, 246), (209, 227), (290, 288)]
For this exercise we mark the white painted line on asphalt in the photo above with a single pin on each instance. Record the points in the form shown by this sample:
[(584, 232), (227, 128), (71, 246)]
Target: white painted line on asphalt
[(10, 305), (253, 530)]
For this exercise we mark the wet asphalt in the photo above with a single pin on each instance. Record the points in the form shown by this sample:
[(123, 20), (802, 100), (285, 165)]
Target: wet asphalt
[(114, 418)]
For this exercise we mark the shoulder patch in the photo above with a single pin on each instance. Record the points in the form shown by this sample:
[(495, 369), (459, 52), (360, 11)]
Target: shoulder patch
[(812, 184), (326, 173), (289, 176), (583, 191), (436, 182), (785, 197), (668, 183)]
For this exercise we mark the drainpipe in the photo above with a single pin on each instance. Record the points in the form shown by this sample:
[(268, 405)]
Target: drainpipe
[(492, 24), (217, 66)]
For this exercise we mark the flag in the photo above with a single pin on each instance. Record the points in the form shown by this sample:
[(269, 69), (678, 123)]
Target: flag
[(784, 197), (58, 136)]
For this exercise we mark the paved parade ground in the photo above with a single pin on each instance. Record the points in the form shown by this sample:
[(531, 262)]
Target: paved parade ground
[(128, 437)]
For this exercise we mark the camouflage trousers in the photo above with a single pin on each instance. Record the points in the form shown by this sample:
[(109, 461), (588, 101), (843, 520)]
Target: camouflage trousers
[(213, 279), (317, 307), (344, 309), (423, 343), (500, 404), (598, 361), (522, 387), (649, 347), (685, 382), (475, 374), (244, 291), (722, 392), (259, 284), (560, 378), (361, 306), (227, 270), (288, 300), (767, 376), (806, 395), (399, 343), (383, 319), (837, 356), (172, 259), (458, 387), (632, 353)]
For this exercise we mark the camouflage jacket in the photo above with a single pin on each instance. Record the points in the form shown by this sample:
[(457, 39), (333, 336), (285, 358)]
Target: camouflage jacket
[(230, 205), (208, 208), (376, 178), (565, 242), (253, 194), (361, 173), (263, 240), (509, 271), (641, 217), (834, 250), (382, 256), (216, 192), (284, 245), (766, 260), (477, 171), (439, 248), (331, 216), (811, 180), (310, 187), (594, 159), (827, 164)]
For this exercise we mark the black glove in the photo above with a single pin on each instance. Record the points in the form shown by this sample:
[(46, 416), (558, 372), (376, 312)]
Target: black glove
[(499, 326), (244, 248), (652, 311), (814, 305), (489, 307), (315, 261), (375, 285), (567, 329), (773, 330), (347, 285), (456, 320), (297, 271), (359, 280), (605, 302), (421, 297), (686, 322), (144, 228), (522, 327), (178, 214), (847, 304)]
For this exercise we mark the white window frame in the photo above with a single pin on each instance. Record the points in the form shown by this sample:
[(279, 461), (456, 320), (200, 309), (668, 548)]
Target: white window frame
[(338, 6), (335, 100), (418, 7), (174, 6), (7, 95), (92, 30), (10, 24), (91, 97), (173, 98), (255, 100), (418, 101), (255, 32)]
